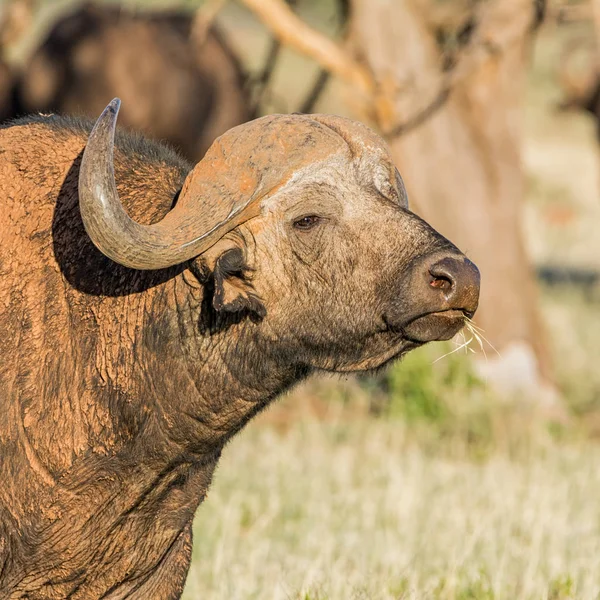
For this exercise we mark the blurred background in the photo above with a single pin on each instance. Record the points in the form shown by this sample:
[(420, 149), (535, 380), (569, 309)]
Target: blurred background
[(468, 471)]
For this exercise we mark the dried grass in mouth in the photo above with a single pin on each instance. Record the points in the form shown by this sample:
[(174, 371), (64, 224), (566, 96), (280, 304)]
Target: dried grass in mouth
[(476, 335)]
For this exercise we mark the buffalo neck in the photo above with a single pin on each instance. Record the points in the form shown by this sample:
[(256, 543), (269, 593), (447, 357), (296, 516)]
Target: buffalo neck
[(174, 392), (229, 370)]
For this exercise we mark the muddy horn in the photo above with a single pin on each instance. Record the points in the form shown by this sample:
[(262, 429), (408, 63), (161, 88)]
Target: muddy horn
[(189, 229)]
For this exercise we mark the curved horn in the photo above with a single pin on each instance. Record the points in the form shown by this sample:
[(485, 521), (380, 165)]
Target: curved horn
[(180, 236)]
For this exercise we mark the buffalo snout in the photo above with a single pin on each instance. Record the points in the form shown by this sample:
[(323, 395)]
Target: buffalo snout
[(446, 291), (454, 281)]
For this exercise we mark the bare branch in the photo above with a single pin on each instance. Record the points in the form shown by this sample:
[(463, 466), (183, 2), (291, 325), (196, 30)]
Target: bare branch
[(319, 85), (292, 31), (203, 20), (420, 117), (497, 27), (500, 24), (323, 76)]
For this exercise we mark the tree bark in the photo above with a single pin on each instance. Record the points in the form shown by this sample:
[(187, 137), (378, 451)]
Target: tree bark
[(596, 18), (462, 165)]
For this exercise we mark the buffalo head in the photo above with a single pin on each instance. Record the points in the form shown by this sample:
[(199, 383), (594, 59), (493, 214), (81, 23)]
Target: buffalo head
[(301, 225)]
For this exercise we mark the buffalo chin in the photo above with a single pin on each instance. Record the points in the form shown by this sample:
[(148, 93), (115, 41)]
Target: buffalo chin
[(435, 327)]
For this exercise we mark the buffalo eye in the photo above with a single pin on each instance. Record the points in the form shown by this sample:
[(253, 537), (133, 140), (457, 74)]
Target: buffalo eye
[(306, 223)]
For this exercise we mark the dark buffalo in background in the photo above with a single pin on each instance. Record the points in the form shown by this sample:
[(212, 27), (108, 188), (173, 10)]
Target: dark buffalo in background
[(173, 89), (7, 101)]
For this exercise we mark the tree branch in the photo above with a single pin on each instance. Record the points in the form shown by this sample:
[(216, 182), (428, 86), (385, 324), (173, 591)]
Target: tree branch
[(292, 31), (308, 105), (498, 24), (497, 27), (420, 117), (323, 76), (204, 19)]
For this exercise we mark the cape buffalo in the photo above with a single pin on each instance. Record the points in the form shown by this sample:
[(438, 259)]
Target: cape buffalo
[(173, 88), (150, 309)]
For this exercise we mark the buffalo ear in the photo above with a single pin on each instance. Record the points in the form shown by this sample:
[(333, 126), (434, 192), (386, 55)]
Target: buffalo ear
[(233, 291), (225, 275)]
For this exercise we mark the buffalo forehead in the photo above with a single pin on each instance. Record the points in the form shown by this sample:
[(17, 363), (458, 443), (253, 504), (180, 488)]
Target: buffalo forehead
[(256, 159), (359, 138)]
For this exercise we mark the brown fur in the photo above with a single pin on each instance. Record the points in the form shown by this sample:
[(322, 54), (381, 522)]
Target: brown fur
[(119, 388), (172, 90)]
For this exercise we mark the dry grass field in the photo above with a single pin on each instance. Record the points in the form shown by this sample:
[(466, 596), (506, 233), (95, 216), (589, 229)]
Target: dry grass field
[(349, 510)]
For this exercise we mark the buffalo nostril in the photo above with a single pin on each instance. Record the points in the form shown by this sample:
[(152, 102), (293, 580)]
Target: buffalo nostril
[(442, 283), (442, 275), (458, 280)]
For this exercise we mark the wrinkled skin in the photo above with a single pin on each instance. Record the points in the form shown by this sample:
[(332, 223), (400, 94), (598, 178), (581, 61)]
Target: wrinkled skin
[(119, 388), (333, 263), (172, 90)]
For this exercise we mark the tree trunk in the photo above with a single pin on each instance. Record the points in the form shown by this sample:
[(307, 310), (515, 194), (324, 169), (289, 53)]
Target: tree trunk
[(596, 19), (462, 165)]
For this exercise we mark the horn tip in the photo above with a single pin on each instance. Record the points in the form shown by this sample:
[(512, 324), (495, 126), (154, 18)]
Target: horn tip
[(114, 105)]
